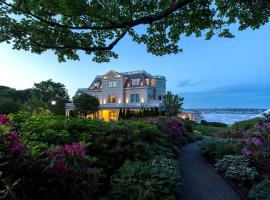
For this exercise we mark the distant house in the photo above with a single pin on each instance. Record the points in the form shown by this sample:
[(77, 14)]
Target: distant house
[(129, 90), (188, 115)]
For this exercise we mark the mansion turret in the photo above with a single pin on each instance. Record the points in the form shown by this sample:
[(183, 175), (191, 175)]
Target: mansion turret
[(129, 90)]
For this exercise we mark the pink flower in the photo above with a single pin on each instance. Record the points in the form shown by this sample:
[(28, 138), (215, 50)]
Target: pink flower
[(75, 149)]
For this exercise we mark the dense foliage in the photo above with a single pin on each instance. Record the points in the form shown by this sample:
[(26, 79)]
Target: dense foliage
[(48, 157), (96, 27), (218, 148), (260, 191), (86, 104), (38, 97), (242, 155), (246, 124)]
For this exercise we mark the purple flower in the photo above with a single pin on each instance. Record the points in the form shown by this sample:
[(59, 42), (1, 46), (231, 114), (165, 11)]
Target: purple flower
[(256, 141), (267, 125), (246, 151), (14, 136), (17, 148), (4, 120), (75, 149)]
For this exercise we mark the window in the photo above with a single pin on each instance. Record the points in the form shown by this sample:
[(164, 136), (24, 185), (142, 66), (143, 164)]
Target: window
[(111, 99), (159, 97), (135, 82), (112, 83), (134, 98)]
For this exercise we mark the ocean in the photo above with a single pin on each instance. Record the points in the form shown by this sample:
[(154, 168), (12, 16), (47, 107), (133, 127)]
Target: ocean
[(226, 118)]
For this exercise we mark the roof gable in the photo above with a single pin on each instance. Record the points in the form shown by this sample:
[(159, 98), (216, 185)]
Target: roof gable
[(112, 74)]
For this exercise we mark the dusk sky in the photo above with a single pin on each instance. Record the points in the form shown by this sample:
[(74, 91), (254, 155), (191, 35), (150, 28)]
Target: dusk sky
[(219, 73)]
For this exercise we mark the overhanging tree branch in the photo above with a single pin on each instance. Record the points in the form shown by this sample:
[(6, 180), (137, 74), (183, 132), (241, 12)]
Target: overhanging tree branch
[(143, 20)]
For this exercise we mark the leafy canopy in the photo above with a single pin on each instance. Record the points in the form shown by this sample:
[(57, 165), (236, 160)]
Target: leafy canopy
[(96, 26), (86, 104)]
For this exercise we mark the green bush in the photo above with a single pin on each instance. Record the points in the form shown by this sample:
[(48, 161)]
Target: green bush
[(156, 179), (209, 130), (107, 147), (218, 148), (246, 124), (261, 191), (213, 124), (236, 168)]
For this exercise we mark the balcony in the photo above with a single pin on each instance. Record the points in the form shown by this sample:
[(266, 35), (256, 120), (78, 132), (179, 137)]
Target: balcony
[(132, 105), (152, 104)]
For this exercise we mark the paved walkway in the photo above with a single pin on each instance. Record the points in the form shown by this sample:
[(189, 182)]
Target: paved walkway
[(201, 181)]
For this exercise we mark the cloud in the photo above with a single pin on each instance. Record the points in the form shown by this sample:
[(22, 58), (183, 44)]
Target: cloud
[(192, 83)]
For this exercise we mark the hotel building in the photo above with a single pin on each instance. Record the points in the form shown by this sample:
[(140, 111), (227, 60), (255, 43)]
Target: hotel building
[(129, 90)]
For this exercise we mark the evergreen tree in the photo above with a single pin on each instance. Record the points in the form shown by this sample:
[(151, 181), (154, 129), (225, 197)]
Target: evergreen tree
[(156, 114), (120, 114), (128, 114)]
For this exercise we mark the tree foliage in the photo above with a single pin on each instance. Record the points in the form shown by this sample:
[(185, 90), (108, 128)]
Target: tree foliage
[(96, 27), (8, 105), (86, 104), (47, 91), (172, 103)]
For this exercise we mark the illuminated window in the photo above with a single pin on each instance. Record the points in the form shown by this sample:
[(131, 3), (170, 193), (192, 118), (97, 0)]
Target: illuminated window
[(134, 98), (111, 99), (112, 115), (112, 83), (135, 82)]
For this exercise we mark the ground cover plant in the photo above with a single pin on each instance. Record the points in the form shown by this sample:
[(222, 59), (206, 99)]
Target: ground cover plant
[(44, 156)]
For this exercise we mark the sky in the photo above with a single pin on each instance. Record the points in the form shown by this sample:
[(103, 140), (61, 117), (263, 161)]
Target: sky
[(220, 73)]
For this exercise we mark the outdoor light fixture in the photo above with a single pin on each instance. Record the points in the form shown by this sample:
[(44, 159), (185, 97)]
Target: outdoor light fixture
[(53, 102)]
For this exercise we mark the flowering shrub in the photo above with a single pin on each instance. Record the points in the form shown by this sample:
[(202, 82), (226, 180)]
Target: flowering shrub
[(4, 120), (237, 168), (261, 191), (50, 157), (173, 128), (257, 145)]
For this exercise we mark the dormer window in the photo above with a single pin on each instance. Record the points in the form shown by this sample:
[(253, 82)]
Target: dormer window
[(135, 82), (96, 85)]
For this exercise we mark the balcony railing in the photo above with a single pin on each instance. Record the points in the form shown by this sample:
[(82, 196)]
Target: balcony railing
[(152, 104)]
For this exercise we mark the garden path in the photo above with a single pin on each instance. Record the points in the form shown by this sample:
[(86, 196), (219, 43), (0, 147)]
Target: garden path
[(201, 181)]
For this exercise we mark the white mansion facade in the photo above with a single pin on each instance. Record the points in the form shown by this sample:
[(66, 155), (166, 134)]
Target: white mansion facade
[(130, 90)]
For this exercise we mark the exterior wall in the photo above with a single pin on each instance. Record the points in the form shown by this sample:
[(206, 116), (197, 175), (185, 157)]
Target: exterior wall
[(160, 88), (142, 91), (117, 91)]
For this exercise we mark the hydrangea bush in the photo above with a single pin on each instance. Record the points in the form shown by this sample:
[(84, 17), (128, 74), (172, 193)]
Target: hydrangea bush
[(237, 168)]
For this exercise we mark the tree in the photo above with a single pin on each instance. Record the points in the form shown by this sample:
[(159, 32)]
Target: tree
[(8, 105), (86, 104), (48, 91), (34, 104), (172, 103), (96, 27)]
